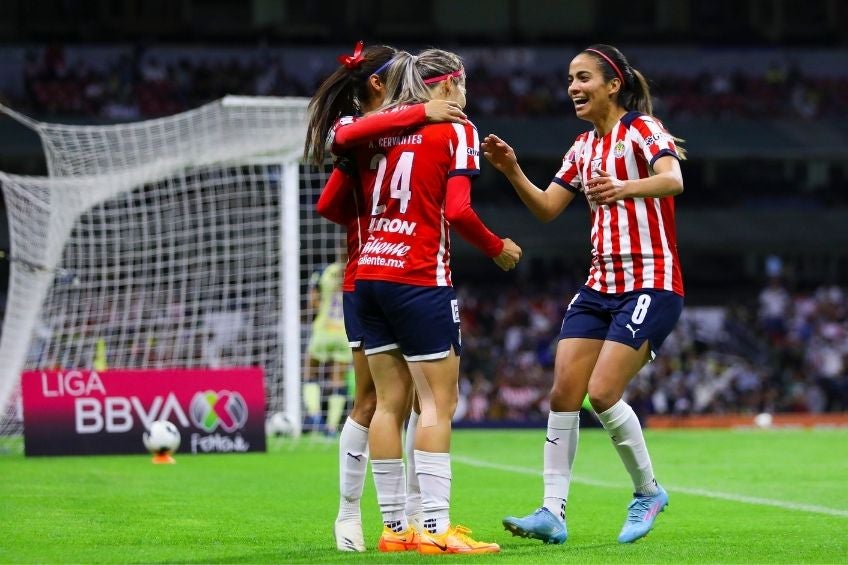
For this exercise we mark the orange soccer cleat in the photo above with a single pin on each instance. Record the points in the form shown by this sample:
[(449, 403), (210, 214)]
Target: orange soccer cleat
[(398, 541), (456, 539)]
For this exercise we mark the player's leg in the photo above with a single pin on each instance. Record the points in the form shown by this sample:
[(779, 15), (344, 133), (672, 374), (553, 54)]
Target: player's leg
[(394, 387), (311, 389), (353, 457), (581, 338), (642, 322), (337, 397), (353, 439), (436, 386), (427, 324)]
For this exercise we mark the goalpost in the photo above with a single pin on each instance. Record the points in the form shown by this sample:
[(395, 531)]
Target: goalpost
[(180, 242)]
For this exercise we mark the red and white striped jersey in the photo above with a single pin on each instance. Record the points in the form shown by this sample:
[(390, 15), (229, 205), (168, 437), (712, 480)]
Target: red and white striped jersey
[(360, 212), (634, 242), (409, 239)]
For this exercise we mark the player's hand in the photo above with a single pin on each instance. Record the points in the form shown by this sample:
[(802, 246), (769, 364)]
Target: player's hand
[(499, 153), (603, 188), (509, 257), (444, 111)]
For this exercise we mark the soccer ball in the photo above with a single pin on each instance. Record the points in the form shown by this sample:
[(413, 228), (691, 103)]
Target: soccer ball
[(281, 424), (162, 437), (763, 420)]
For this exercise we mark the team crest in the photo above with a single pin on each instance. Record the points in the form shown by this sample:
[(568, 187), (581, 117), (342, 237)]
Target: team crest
[(618, 150)]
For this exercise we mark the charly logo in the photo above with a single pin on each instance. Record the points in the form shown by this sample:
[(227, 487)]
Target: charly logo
[(210, 410)]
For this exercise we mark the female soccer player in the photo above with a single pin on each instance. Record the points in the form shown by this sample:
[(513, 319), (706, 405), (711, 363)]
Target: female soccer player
[(628, 169), (357, 87), (405, 299)]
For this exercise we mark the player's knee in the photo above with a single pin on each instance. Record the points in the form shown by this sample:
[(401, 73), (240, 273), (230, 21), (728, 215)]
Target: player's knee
[(602, 398), (364, 407)]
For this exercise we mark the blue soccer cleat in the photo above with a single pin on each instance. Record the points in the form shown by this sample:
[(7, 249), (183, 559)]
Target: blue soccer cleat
[(641, 515), (541, 525)]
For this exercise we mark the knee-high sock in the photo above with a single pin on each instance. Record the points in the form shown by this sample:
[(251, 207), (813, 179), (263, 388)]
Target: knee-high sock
[(560, 450), (353, 462), (434, 475), (624, 429), (390, 483)]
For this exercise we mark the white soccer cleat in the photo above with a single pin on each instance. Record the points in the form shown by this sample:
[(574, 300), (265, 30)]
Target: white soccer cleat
[(349, 535)]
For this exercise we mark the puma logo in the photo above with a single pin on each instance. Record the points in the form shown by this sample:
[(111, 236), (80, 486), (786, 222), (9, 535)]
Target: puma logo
[(629, 327), (553, 441)]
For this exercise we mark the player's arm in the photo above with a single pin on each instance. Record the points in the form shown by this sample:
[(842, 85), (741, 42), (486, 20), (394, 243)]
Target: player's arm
[(467, 223), (667, 180), (348, 135), (334, 203), (544, 204)]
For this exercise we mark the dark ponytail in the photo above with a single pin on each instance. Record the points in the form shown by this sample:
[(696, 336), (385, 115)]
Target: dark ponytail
[(340, 95), (635, 94)]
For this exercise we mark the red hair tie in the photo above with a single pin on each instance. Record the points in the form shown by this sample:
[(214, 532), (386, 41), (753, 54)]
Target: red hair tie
[(355, 60)]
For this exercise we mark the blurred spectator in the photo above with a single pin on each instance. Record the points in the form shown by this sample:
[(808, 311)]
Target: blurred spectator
[(145, 86)]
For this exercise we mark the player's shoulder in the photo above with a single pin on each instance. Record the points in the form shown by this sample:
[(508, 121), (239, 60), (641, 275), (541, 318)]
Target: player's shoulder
[(641, 121), (454, 131), (344, 121)]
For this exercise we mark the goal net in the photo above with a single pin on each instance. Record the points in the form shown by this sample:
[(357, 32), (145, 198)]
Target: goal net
[(182, 242)]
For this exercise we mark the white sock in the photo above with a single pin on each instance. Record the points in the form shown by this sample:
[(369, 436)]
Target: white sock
[(560, 450), (413, 489), (624, 429), (391, 492), (434, 474), (353, 462)]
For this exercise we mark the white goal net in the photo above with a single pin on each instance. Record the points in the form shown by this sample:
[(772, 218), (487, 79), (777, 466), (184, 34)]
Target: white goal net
[(186, 241)]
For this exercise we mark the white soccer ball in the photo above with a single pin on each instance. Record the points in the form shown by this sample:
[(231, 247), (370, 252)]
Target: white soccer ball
[(162, 437), (281, 424), (763, 420)]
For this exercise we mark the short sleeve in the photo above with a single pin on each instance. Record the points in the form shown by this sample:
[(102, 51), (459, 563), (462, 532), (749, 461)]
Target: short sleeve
[(568, 175), (653, 139), (465, 143)]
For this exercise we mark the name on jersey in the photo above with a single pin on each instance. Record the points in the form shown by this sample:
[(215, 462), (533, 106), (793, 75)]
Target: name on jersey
[(380, 246), (392, 226), (392, 140)]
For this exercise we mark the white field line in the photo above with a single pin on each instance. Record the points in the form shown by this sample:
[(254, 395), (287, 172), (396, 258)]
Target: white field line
[(786, 505)]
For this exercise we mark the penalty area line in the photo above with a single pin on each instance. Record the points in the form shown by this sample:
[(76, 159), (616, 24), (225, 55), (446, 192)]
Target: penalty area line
[(784, 504)]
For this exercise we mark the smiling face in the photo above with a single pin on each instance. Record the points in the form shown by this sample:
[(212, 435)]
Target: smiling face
[(594, 98)]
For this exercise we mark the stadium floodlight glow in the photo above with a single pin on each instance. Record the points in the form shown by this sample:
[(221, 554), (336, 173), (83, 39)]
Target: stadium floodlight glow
[(190, 240)]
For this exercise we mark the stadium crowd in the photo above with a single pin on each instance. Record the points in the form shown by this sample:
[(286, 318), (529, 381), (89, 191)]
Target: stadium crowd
[(135, 84), (786, 353)]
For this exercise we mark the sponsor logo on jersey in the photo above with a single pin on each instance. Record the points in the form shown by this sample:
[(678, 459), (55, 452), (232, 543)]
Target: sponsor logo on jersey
[(656, 138), (394, 225), (380, 246)]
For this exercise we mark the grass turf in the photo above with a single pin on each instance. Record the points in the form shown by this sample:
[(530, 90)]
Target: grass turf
[(755, 496)]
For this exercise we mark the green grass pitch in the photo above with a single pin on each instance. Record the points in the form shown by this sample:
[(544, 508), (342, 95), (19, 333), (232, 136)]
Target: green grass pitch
[(749, 496)]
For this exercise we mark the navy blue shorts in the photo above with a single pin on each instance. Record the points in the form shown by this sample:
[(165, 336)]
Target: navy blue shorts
[(353, 328), (629, 317), (422, 321)]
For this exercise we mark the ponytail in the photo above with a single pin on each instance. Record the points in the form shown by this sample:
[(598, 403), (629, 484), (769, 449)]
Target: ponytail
[(340, 95), (408, 75), (634, 94)]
